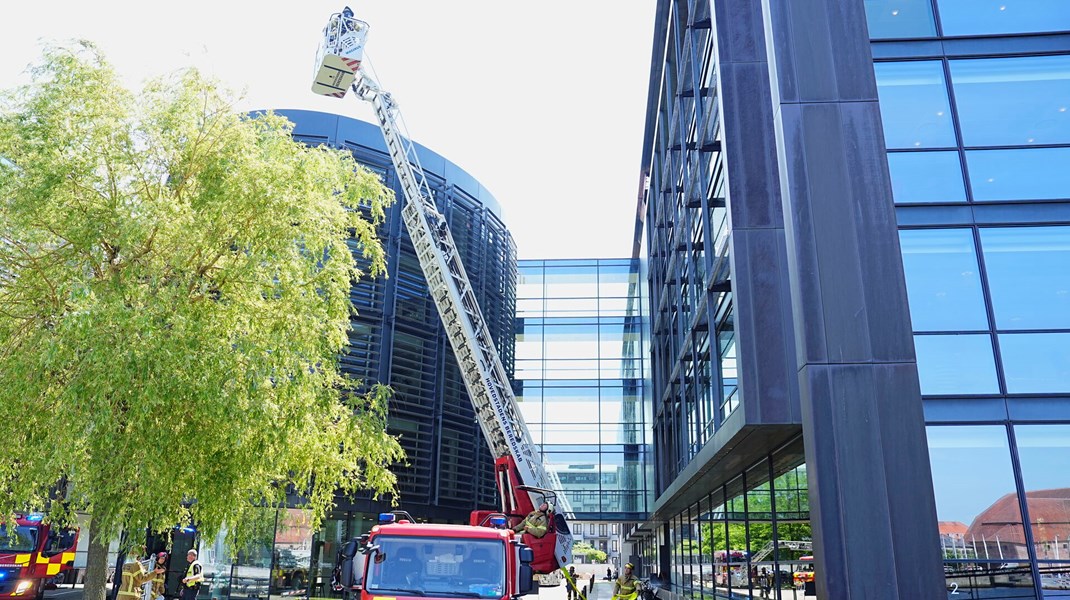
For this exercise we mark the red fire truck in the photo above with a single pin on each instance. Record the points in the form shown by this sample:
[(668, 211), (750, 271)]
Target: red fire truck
[(33, 552), (401, 558)]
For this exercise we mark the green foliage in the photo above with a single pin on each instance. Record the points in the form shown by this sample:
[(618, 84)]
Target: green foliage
[(174, 296), (759, 508), (584, 549)]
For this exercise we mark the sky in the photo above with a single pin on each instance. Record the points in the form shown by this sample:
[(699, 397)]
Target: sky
[(542, 102)]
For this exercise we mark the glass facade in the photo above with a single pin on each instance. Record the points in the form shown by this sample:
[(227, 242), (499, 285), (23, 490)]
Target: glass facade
[(693, 342), (286, 558), (397, 337), (904, 19), (579, 380), (1008, 127), (989, 293), (748, 538), (975, 104)]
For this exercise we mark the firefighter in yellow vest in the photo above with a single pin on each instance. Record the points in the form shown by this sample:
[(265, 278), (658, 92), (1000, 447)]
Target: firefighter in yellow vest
[(191, 583), (536, 522), (134, 575), (626, 587)]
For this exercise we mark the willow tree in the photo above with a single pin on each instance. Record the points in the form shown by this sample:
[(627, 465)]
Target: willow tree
[(174, 296)]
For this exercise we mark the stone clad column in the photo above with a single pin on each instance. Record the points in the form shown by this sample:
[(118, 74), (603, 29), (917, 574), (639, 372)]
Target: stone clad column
[(870, 486)]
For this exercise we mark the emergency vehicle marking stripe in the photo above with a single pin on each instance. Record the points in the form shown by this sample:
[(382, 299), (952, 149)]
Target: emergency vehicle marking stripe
[(42, 560), (67, 557), (22, 559), (53, 569)]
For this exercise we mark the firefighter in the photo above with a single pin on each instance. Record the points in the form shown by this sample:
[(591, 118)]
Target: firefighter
[(134, 576), (159, 577), (626, 587), (536, 522), (191, 583)]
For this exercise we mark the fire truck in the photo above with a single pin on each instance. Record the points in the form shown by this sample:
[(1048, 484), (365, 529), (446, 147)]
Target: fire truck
[(32, 553), (522, 481), (402, 558)]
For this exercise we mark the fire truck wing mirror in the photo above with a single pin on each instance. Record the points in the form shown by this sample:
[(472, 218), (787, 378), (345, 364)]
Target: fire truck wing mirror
[(525, 583), (345, 573), (526, 554)]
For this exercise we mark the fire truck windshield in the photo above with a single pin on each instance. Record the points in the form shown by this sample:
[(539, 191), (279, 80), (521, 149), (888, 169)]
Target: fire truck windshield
[(442, 567), (18, 539)]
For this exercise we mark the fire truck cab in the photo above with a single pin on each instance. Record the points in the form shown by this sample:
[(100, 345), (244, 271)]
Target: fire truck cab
[(33, 552), (403, 559)]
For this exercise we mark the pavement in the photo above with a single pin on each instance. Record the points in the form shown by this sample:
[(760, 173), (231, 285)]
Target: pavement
[(603, 590)]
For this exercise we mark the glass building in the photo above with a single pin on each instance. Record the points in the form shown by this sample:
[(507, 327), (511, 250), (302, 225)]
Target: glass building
[(579, 381), (978, 141), (797, 431)]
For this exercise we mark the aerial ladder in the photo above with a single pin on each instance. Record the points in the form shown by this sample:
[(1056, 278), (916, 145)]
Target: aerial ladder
[(521, 478)]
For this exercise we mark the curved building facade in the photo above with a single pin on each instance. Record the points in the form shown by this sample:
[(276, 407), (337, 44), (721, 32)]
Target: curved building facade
[(398, 339)]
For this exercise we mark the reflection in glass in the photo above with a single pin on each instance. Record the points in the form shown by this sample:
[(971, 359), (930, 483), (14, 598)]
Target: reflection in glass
[(985, 17), (943, 280), (726, 341), (571, 341), (1019, 174), (1044, 453), (1036, 363), (292, 553), (956, 364), (571, 404), (914, 105), (216, 558), (617, 280), (900, 19), (976, 498), (571, 281), (252, 570), (528, 341), (988, 580), (1029, 276), (580, 364), (325, 545), (1013, 101), (926, 177), (529, 282)]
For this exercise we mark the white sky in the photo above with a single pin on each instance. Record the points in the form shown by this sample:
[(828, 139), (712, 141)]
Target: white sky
[(541, 101)]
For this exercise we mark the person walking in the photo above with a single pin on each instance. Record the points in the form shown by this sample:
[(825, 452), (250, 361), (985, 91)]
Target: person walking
[(536, 523), (191, 583), (573, 586)]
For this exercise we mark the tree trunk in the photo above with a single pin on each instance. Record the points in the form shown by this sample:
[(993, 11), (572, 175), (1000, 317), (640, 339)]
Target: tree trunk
[(96, 565)]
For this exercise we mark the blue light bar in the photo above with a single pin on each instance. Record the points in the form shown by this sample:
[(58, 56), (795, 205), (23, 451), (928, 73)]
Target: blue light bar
[(189, 529), (497, 521), (35, 517), (385, 518)]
